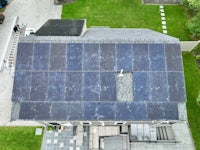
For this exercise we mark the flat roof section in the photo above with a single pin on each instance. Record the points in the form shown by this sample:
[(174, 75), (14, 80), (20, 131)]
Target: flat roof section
[(65, 27)]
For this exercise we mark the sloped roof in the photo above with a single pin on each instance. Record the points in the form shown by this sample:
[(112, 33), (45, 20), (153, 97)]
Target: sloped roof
[(61, 78)]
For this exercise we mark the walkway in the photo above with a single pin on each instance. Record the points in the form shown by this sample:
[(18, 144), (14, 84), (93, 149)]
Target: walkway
[(34, 13), (66, 138)]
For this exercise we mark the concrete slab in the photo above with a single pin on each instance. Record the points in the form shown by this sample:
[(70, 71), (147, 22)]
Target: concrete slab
[(165, 31), (163, 18), (162, 14), (38, 131), (164, 27), (162, 10)]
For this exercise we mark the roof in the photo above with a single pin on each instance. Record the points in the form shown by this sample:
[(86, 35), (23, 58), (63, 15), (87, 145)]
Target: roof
[(58, 27), (108, 35), (58, 79)]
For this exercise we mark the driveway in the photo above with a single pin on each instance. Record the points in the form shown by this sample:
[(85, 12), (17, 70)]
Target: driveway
[(34, 13)]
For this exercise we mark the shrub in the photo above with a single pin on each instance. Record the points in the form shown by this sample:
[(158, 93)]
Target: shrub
[(198, 100), (194, 26)]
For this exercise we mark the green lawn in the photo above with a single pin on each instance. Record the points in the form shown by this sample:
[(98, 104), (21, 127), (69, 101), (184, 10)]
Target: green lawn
[(115, 13), (192, 79), (176, 18), (19, 138), (128, 14)]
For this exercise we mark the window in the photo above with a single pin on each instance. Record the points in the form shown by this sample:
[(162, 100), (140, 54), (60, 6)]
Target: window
[(120, 123), (85, 123)]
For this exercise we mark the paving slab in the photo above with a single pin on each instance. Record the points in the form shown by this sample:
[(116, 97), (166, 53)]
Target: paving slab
[(162, 2)]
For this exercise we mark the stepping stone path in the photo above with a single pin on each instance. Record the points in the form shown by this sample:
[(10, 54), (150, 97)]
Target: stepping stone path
[(163, 19), (161, 2)]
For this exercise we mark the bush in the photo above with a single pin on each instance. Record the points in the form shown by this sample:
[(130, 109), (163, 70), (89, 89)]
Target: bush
[(198, 100), (193, 26), (198, 57), (192, 9)]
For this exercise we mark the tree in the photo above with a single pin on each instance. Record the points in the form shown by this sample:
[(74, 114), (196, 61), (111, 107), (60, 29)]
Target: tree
[(195, 3), (194, 25)]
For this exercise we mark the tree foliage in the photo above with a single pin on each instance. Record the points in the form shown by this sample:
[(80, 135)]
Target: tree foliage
[(193, 25), (195, 3), (193, 9)]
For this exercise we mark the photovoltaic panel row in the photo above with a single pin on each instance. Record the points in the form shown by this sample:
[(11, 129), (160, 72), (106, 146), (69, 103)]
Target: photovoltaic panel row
[(140, 57), (176, 86), (21, 87), (95, 57), (57, 56), (94, 86), (61, 86), (124, 57), (159, 86), (166, 111), (39, 85), (107, 57), (97, 111), (24, 56), (157, 57), (173, 57)]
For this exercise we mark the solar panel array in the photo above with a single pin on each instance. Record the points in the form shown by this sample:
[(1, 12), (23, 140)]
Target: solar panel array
[(77, 81), (64, 27)]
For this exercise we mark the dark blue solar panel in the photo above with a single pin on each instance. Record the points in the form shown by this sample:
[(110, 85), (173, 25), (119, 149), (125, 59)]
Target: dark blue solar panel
[(73, 86), (91, 86), (176, 86), (58, 56), (41, 56), (130, 111), (67, 111), (74, 56), (124, 57), (108, 86), (35, 111), (39, 84), (91, 57), (168, 111), (27, 110), (56, 88), (24, 56), (42, 111), (58, 49), (107, 57), (141, 86), (59, 111), (173, 57), (21, 87), (140, 57), (157, 57), (99, 110), (57, 63), (159, 86)]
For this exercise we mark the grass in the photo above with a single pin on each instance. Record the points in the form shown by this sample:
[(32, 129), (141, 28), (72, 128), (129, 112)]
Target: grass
[(176, 18), (128, 14), (114, 13), (192, 78), (19, 138)]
